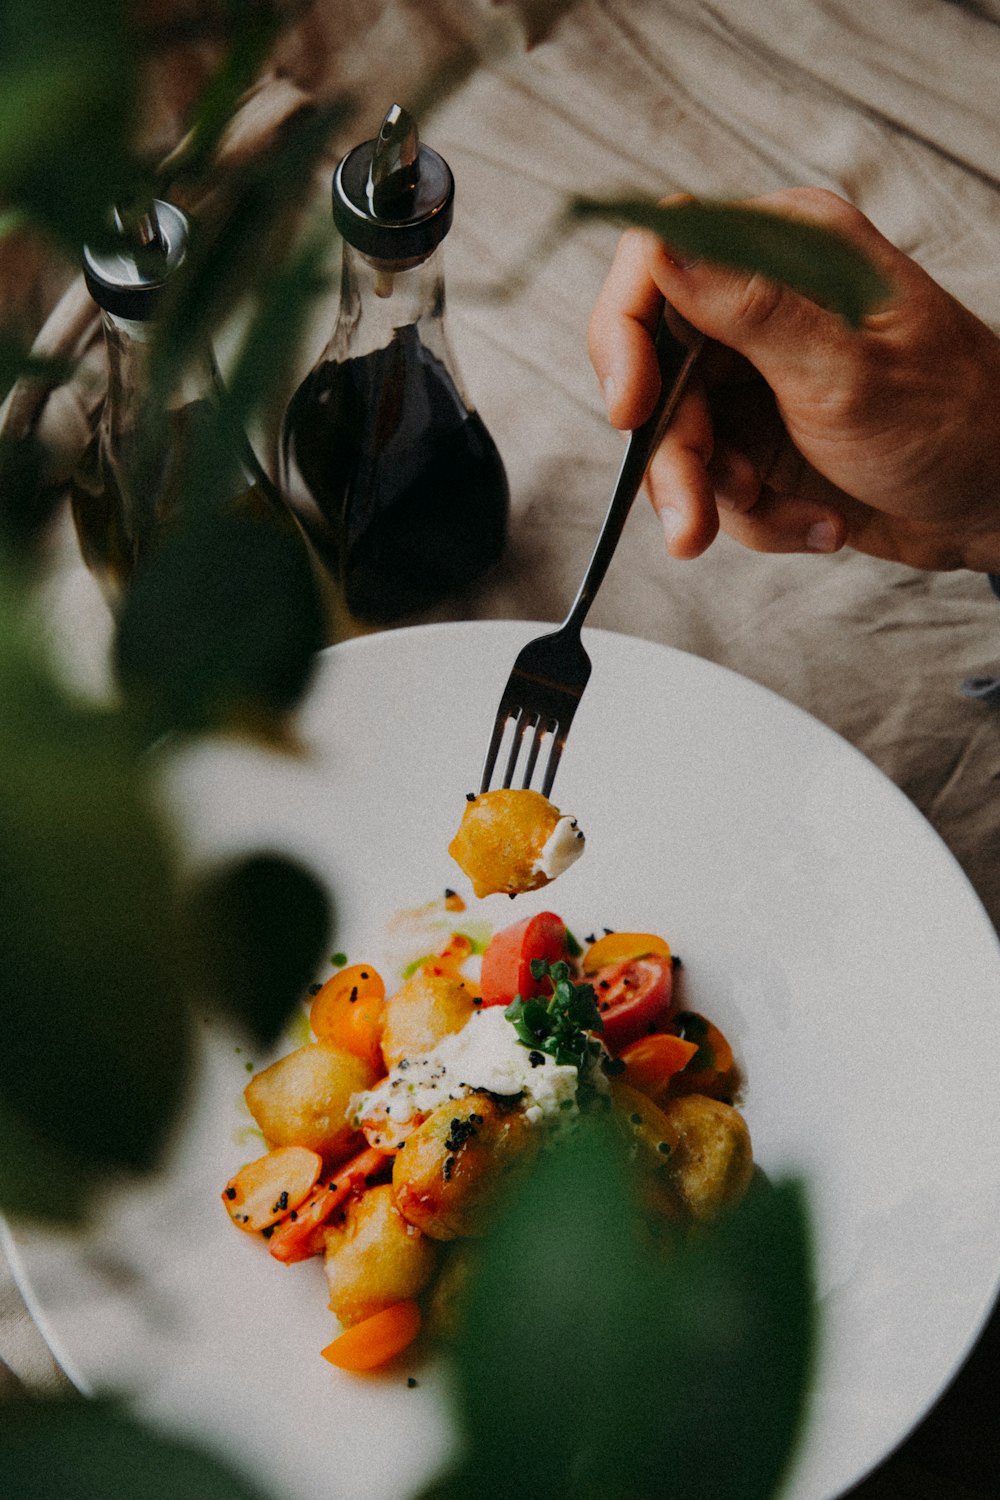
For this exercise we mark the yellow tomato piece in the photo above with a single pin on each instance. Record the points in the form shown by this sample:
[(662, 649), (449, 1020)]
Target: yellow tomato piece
[(349, 1012), (620, 947), (377, 1339), (265, 1190), (652, 1061)]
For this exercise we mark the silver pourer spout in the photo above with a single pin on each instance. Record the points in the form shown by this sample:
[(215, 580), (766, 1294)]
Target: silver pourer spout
[(394, 174)]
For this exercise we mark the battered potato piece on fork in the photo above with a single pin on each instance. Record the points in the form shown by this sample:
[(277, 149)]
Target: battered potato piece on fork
[(510, 841)]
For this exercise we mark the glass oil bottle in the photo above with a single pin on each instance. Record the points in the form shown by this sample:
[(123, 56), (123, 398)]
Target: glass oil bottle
[(128, 487)]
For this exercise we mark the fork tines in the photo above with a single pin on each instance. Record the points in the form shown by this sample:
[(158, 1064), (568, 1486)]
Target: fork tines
[(535, 709)]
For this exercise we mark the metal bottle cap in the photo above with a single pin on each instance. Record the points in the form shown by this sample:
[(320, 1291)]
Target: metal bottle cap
[(392, 196), (128, 278)]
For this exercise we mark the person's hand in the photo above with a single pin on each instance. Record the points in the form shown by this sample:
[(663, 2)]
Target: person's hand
[(804, 434)]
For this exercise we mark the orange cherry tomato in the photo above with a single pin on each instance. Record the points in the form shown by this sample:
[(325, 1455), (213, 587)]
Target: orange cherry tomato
[(375, 1340), (349, 1012), (618, 947), (712, 1070), (652, 1061)]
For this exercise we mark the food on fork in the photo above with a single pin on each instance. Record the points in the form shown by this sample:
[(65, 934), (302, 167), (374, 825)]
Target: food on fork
[(390, 1134), (511, 840)]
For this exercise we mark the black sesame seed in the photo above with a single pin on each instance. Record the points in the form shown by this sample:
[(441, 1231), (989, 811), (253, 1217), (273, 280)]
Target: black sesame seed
[(470, 796), (230, 1193), (410, 1383), (536, 1059)]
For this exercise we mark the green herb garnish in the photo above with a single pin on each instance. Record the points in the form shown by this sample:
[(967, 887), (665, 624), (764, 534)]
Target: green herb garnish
[(562, 1024)]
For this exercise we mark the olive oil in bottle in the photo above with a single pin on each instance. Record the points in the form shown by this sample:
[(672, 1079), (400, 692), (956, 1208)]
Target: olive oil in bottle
[(392, 473), (128, 487)]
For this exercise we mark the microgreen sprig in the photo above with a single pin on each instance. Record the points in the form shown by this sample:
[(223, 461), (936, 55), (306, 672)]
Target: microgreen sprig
[(562, 1024)]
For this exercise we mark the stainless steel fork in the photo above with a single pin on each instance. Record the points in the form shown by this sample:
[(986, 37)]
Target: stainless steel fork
[(551, 671)]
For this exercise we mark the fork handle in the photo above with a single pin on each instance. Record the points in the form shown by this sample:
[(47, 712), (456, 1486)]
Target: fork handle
[(677, 347)]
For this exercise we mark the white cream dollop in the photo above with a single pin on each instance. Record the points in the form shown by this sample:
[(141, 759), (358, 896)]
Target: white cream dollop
[(563, 846), (485, 1055)]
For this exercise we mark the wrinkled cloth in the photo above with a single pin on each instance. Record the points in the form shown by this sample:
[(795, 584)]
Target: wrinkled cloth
[(896, 105)]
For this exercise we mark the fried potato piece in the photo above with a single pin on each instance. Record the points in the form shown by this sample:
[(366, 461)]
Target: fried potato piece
[(447, 1175), (302, 1099), (501, 838), (422, 1011), (375, 1258), (712, 1160)]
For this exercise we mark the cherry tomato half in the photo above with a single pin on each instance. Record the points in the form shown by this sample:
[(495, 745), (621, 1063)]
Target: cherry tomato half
[(616, 947), (506, 970), (634, 998)]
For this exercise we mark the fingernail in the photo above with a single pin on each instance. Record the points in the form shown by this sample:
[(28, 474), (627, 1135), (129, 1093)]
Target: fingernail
[(821, 537), (683, 262), (671, 521)]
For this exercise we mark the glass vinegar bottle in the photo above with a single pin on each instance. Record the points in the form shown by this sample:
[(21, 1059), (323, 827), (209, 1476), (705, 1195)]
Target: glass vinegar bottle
[(390, 470)]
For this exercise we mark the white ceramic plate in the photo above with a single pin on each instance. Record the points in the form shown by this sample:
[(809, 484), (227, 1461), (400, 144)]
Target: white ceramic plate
[(821, 922)]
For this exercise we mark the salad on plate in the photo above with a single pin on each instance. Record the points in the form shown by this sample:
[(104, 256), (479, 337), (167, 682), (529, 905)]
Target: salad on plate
[(391, 1132)]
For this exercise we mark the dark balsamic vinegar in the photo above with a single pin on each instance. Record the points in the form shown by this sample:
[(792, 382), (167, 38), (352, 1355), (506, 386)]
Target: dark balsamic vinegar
[(397, 482)]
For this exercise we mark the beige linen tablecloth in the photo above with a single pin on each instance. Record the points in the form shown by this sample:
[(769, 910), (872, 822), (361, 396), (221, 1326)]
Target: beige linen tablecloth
[(896, 105)]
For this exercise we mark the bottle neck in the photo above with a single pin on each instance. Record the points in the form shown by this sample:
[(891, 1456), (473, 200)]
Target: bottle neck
[(379, 297), (144, 444), (129, 345)]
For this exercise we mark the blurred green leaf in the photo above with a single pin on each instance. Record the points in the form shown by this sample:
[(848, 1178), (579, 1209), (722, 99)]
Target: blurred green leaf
[(261, 925), (28, 500), (40, 1179), (17, 362), (256, 28), (93, 1040), (68, 92), (262, 370), (221, 625), (236, 248), (90, 1450), (818, 263), (645, 1373)]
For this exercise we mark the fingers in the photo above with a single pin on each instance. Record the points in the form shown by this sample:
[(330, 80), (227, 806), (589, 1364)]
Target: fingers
[(677, 480), (785, 523), (620, 335)]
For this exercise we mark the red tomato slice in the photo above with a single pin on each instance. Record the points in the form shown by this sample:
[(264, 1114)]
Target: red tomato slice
[(506, 970), (633, 997)]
